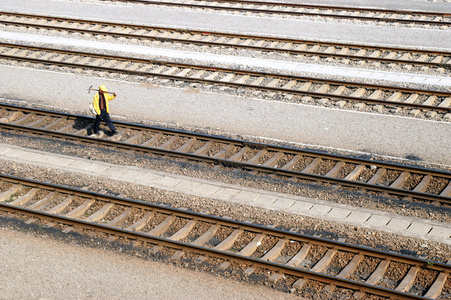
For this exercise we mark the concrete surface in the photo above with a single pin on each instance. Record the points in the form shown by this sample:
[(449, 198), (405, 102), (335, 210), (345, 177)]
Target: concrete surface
[(40, 267)]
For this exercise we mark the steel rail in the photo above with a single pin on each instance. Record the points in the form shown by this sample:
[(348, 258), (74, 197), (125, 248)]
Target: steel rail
[(255, 228), (241, 143), (177, 245), (228, 44), (306, 13), (248, 166), (412, 261), (235, 71)]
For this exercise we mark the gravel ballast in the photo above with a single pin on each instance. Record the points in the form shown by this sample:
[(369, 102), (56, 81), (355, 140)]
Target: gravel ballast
[(54, 265)]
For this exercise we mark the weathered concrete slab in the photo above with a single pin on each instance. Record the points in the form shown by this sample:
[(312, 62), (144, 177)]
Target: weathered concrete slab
[(378, 221), (338, 213), (418, 228), (282, 203)]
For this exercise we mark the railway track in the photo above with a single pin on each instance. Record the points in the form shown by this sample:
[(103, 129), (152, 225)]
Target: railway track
[(325, 92), (283, 256), (398, 16), (412, 59), (398, 180)]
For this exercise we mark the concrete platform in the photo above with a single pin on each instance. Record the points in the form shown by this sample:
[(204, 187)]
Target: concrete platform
[(405, 226)]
